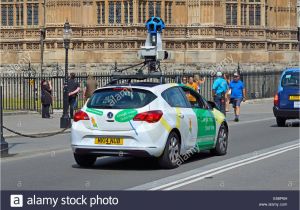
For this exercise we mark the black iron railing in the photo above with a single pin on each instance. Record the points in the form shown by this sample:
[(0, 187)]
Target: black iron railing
[(22, 91)]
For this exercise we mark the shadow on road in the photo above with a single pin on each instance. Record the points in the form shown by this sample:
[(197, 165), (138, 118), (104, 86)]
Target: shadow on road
[(138, 164), (289, 124)]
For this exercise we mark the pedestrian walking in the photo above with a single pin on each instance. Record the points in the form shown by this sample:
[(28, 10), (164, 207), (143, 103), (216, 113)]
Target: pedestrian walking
[(89, 87), (73, 89), (219, 89), (238, 94), (228, 93), (46, 98)]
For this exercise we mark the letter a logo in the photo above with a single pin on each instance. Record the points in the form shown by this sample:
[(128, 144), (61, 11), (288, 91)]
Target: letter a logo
[(16, 200)]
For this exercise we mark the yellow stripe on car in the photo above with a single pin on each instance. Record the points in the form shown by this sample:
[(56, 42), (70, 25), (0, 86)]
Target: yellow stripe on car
[(165, 124), (219, 116)]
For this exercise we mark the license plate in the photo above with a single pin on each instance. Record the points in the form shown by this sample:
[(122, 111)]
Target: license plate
[(109, 141), (294, 98), (297, 104)]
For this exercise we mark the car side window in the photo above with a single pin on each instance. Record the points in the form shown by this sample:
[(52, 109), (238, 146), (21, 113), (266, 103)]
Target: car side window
[(194, 98), (174, 98), (205, 104)]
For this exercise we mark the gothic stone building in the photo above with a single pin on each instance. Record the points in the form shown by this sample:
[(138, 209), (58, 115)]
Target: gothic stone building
[(105, 31)]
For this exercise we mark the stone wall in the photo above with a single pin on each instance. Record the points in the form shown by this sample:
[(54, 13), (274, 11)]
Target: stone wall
[(166, 67)]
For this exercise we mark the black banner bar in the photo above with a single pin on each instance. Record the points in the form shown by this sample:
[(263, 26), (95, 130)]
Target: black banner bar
[(149, 200)]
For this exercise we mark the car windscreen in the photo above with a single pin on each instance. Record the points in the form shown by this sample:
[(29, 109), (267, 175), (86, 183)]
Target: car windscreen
[(120, 98), (290, 79)]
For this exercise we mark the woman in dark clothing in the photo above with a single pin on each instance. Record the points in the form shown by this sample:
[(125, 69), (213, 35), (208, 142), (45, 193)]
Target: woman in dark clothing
[(46, 98)]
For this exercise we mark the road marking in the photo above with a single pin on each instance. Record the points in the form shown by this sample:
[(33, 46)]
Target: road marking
[(224, 165), (229, 168), (33, 155), (250, 121)]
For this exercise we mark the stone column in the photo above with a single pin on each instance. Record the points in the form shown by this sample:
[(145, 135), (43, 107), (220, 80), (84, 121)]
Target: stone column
[(163, 4), (135, 11), (14, 16), (106, 11), (263, 14), (25, 13), (239, 13), (123, 13), (147, 10)]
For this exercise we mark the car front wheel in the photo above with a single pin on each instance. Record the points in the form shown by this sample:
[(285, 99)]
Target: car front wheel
[(171, 154), (85, 160), (280, 121)]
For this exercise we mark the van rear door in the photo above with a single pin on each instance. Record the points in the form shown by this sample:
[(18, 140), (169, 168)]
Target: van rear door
[(289, 96)]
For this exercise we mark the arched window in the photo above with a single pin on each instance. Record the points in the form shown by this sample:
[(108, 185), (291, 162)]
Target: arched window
[(101, 12), (111, 12), (12, 12), (131, 11), (151, 9), (128, 11), (118, 12), (158, 9), (251, 10), (32, 14), (168, 12), (231, 12), (147, 9)]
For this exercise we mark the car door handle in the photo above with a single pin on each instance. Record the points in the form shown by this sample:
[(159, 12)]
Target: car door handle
[(180, 115)]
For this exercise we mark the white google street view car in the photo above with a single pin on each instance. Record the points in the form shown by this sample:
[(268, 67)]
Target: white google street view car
[(147, 120)]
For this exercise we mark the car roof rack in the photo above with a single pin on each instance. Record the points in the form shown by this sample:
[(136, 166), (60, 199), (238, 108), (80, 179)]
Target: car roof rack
[(118, 76)]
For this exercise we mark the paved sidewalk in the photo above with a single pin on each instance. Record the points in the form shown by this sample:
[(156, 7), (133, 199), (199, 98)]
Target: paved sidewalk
[(32, 124)]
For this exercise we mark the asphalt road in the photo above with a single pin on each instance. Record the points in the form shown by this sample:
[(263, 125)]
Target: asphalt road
[(260, 156)]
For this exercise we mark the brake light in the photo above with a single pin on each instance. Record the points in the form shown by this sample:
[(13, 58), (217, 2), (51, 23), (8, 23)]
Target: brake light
[(150, 117), (276, 100), (80, 115)]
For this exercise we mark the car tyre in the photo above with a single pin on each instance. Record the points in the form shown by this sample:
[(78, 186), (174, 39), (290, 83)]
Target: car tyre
[(222, 141), (85, 160), (169, 158), (280, 121)]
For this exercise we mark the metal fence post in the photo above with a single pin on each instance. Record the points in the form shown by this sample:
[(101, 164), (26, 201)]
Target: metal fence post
[(3, 143)]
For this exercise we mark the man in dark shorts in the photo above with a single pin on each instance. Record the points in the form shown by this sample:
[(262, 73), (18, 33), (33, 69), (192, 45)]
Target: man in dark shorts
[(238, 94), (73, 89)]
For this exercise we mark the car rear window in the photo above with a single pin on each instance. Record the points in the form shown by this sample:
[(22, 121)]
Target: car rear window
[(120, 98), (290, 79)]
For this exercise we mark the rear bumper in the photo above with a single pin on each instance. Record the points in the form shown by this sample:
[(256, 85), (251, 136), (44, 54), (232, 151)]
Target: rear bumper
[(286, 113), (111, 152)]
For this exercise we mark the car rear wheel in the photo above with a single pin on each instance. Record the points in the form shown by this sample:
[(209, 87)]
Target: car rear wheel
[(280, 121), (222, 141), (171, 152), (85, 160)]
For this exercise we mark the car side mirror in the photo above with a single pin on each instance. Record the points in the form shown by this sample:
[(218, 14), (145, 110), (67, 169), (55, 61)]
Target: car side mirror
[(212, 105)]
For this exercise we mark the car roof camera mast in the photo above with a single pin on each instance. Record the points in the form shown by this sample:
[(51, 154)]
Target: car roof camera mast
[(152, 53)]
